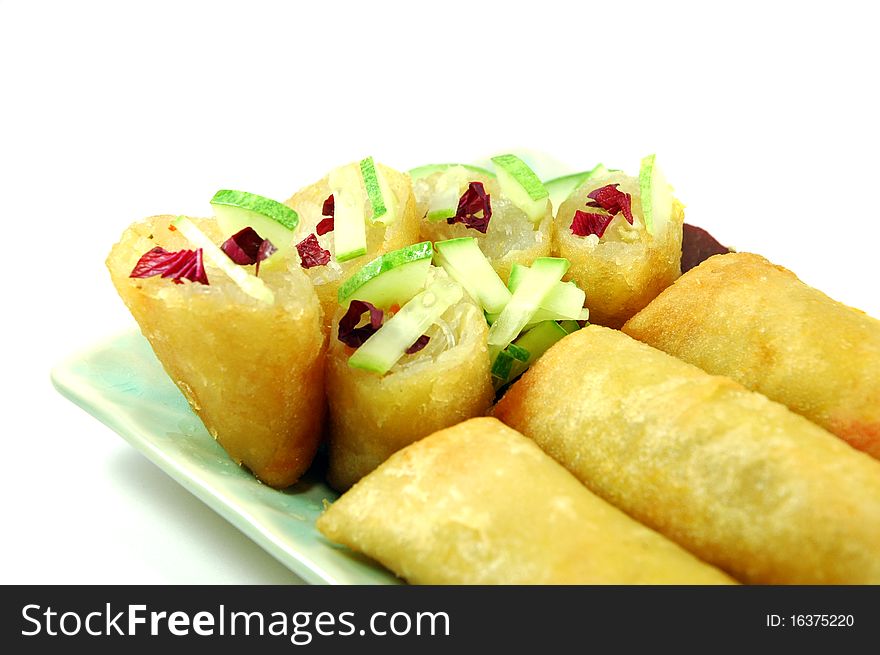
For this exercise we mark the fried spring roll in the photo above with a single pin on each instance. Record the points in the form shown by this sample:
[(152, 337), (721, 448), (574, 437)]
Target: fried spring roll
[(741, 316), (479, 503), (373, 416), (311, 204), (737, 479), (626, 266), (252, 371)]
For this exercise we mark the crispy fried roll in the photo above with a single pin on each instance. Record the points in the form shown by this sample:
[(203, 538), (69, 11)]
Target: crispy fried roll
[(741, 316), (479, 503), (737, 479), (252, 371)]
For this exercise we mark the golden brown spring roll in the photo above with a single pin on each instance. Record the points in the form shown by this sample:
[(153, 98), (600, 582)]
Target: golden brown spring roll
[(373, 416), (627, 266), (737, 479), (479, 503), (741, 316), (252, 371)]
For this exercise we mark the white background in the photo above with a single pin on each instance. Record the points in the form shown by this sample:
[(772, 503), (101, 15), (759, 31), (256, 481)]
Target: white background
[(764, 117)]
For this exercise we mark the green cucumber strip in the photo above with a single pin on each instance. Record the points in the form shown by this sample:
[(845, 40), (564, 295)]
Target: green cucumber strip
[(349, 226), (656, 196), (236, 210), (521, 186), (536, 342), (446, 193), (467, 265), (543, 315), (518, 352), (382, 200), (570, 326), (502, 366), (429, 169), (565, 301), (392, 278), (525, 301), (250, 284), (389, 343)]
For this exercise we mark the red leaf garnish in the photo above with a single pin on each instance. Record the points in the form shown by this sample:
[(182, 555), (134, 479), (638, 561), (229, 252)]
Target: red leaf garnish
[(328, 209), (420, 343), (311, 253), (612, 200), (247, 247), (349, 333), (697, 245), (472, 202), (585, 223), (179, 266)]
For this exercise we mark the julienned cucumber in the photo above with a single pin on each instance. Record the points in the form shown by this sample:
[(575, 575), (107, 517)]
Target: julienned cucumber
[(521, 186), (349, 231), (467, 265), (543, 315), (250, 284), (656, 196), (236, 210), (387, 345), (392, 278), (545, 272), (564, 301), (382, 200), (536, 341), (447, 191)]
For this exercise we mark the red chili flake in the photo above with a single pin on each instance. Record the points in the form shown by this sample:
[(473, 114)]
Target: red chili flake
[(585, 223), (697, 245), (311, 253), (328, 209), (247, 247), (179, 266), (349, 333), (612, 200), (420, 343), (472, 202)]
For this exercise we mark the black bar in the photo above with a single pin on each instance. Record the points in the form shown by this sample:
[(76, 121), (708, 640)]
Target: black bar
[(513, 618)]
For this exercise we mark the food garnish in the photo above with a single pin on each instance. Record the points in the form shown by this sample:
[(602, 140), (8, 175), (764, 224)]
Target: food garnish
[(697, 245), (521, 186), (246, 247), (392, 278), (180, 265), (420, 343), (271, 219), (474, 208), (349, 333), (612, 200), (325, 225), (587, 223), (311, 253)]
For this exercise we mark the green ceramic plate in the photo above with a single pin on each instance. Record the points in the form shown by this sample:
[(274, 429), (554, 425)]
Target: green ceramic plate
[(121, 383)]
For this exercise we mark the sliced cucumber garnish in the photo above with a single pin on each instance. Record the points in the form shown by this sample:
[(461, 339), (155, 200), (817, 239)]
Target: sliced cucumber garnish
[(349, 231), (236, 210), (521, 186), (565, 300), (448, 187), (570, 326), (656, 195), (250, 284), (536, 342), (382, 201), (389, 343), (467, 265), (392, 278), (543, 275)]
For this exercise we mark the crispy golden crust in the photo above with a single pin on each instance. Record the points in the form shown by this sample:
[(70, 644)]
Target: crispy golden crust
[(308, 203), (252, 372), (479, 503), (741, 316), (628, 267), (735, 478), (373, 416)]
